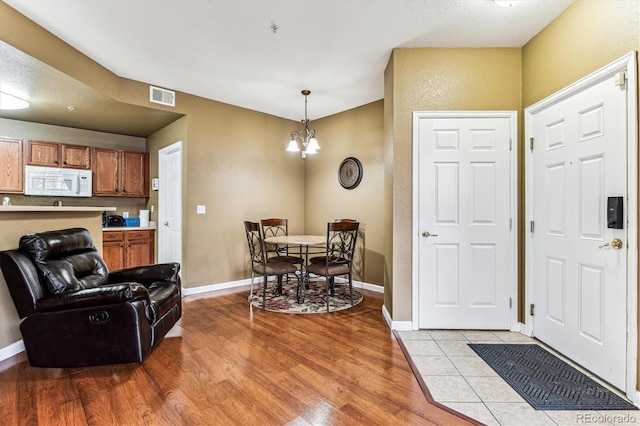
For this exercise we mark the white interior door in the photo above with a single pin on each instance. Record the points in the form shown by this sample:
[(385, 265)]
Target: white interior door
[(466, 193), (170, 204), (579, 159)]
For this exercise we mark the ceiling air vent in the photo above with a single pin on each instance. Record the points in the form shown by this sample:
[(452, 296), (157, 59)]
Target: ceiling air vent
[(162, 96)]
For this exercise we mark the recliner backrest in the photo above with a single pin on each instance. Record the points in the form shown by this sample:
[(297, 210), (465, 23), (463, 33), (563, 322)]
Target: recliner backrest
[(66, 259)]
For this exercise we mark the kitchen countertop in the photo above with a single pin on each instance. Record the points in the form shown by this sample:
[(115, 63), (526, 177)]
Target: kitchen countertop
[(152, 226), (55, 209)]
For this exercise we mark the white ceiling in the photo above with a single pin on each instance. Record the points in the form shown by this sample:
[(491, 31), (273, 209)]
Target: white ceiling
[(226, 50)]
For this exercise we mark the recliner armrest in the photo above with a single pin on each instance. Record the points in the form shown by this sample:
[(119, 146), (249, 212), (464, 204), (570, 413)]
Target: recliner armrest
[(104, 295), (147, 275)]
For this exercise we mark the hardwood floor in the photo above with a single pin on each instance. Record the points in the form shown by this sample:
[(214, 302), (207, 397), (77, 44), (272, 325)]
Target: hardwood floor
[(228, 363)]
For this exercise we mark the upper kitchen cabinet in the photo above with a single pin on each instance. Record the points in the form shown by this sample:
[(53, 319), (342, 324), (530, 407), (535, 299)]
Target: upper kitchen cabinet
[(135, 169), (11, 166), (52, 154), (120, 173)]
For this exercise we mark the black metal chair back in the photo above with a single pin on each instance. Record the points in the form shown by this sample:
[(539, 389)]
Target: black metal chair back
[(341, 242)]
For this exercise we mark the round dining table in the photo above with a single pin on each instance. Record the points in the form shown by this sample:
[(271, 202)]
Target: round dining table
[(306, 241)]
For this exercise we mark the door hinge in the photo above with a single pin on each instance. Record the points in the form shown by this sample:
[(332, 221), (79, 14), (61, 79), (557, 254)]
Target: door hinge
[(510, 144), (532, 226), (621, 78), (531, 144), (510, 223), (532, 309), (510, 303)]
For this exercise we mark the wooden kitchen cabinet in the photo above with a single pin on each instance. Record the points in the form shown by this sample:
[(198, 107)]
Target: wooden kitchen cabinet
[(140, 248), (11, 166), (106, 171), (135, 169), (120, 173), (126, 249), (53, 154), (113, 250), (76, 156)]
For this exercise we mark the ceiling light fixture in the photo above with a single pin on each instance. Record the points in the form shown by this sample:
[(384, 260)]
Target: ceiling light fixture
[(505, 3), (306, 136), (8, 102)]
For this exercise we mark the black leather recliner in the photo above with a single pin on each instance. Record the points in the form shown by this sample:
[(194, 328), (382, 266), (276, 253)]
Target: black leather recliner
[(76, 313)]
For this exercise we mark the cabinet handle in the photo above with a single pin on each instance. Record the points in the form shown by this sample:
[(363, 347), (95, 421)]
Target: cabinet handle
[(56, 162), (64, 162)]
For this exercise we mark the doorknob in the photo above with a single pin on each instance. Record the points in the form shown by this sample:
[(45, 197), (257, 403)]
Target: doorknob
[(427, 234), (616, 243), (166, 224)]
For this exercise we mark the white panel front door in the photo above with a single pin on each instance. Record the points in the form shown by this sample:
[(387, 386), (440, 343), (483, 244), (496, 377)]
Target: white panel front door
[(579, 159), (465, 254)]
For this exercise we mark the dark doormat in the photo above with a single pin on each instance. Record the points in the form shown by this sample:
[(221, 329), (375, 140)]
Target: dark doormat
[(545, 381)]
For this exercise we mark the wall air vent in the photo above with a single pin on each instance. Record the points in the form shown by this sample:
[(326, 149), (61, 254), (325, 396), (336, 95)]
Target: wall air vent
[(162, 96)]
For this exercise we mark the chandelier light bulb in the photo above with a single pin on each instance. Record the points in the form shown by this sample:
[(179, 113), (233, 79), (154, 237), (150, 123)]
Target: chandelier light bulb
[(293, 146), (313, 145)]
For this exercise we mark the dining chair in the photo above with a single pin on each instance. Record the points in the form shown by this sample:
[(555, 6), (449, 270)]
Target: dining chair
[(275, 227), (322, 259), (341, 243), (261, 265)]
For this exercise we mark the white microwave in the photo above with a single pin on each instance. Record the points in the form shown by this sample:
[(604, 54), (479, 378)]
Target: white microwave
[(57, 182)]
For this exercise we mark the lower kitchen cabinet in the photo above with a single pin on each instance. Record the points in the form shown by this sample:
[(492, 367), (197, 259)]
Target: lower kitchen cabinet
[(126, 249)]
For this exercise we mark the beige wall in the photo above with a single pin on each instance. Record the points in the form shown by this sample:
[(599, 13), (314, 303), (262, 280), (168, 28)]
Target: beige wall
[(435, 80), (389, 129), (355, 133), (238, 169), (587, 36)]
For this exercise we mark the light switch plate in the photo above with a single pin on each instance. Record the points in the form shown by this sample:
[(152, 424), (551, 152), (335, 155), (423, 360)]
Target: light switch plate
[(201, 209)]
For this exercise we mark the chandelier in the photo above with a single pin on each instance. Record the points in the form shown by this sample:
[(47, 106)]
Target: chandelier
[(306, 136)]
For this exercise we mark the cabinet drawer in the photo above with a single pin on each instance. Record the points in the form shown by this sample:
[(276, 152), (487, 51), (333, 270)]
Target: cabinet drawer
[(113, 236), (138, 235)]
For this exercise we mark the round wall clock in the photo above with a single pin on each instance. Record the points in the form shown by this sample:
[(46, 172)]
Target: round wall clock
[(350, 173)]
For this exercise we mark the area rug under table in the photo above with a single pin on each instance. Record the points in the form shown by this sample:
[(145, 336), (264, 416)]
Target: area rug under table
[(545, 381), (314, 301)]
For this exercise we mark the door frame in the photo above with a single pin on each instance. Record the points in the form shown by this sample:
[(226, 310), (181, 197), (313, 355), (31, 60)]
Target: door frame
[(162, 155), (628, 63), (513, 205)]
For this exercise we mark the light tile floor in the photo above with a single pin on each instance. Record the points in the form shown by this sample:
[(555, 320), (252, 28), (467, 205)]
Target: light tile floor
[(457, 377)]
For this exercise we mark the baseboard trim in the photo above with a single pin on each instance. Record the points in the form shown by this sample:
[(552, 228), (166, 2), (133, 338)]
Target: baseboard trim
[(213, 287), (13, 349), (396, 325), (246, 282)]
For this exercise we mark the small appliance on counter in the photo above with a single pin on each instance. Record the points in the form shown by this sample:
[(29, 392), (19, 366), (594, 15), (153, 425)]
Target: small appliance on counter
[(144, 218), (114, 220), (132, 221)]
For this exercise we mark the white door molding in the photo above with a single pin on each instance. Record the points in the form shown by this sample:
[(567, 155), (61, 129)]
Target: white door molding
[(627, 64), (169, 253), (513, 156)]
